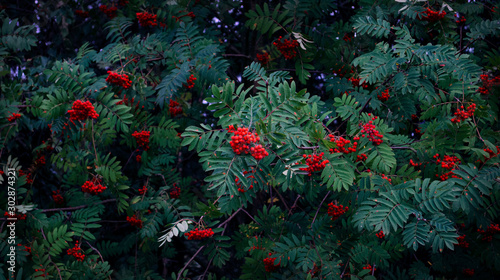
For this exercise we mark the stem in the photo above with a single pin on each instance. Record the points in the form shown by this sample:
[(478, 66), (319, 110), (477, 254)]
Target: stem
[(77, 207), (320, 207)]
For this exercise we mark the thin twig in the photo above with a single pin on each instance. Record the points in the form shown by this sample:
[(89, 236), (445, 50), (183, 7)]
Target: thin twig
[(319, 207)]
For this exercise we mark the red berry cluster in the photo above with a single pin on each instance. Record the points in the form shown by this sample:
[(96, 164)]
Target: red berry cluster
[(347, 38), (142, 138), (487, 83), (414, 164), (461, 114), (120, 80), (432, 16), (370, 268), (43, 274), (82, 14), (371, 133), (15, 216), (258, 247), (241, 141), (26, 248), (314, 163), (414, 118), (335, 211), (146, 19), (491, 154), (138, 158), (385, 96), (341, 143), (361, 157), (355, 82), (269, 264), (190, 82), (82, 110), (238, 183), (110, 12), (461, 242), (174, 108), (40, 160), (134, 221), (385, 177), (143, 190), (197, 234), (57, 197), (380, 234), (76, 252), (460, 19), (122, 3), (263, 58), (29, 180), (487, 235), (468, 271), (90, 187), (448, 162), (14, 117), (287, 47), (175, 192)]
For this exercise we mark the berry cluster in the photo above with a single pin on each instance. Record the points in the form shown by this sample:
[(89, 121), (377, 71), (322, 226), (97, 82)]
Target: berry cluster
[(122, 3), (90, 187), (385, 96), (110, 12), (460, 19), (238, 183), (414, 118), (29, 180), (57, 197), (355, 82), (287, 47), (385, 177), (146, 19), (134, 221), (361, 157), (491, 154), (82, 14), (341, 143), (143, 190), (175, 192), (487, 83), (432, 16), (142, 138), (138, 158), (241, 141), (26, 248), (380, 234), (40, 160), (448, 162), (174, 108), (15, 216), (414, 164), (119, 80), (44, 275), (346, 37), (80, 111), (371, 133), (468, 271), (76, 252), (335, 211), (370, 268), (461, 114), (263, 58), (197, 234), (487, 235), (190, 82), (461, 242), (314, 163), (269, 264), (14, 117)]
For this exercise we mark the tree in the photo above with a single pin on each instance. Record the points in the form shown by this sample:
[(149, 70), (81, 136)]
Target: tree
[(302, 139)]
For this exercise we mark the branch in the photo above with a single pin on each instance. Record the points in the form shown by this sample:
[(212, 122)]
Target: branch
[(319, 207), (77, 207)]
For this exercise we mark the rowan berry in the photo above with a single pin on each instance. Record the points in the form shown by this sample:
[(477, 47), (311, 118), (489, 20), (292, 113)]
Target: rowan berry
[(414, 164), (190, 82), (138, 158), (174, 108), (355, 82), (385, 95), (197, 234), (380, 234), (57, 197), (143, 190), (371, 133), (341, 143), (335, 211), (287, 48), (14, 117), (134, 221), (314, 163), (431, 15), (82, 14), (461, 242), (146, 19), (90, 187), (175, 192), (269, 265), (361, 157), (242, 142), (370, 268), (487, 235), (81, 111), (461, 114), (120, 80), (263, 58), (76, 252), (142, 138), (110, 12), (468, 271)]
